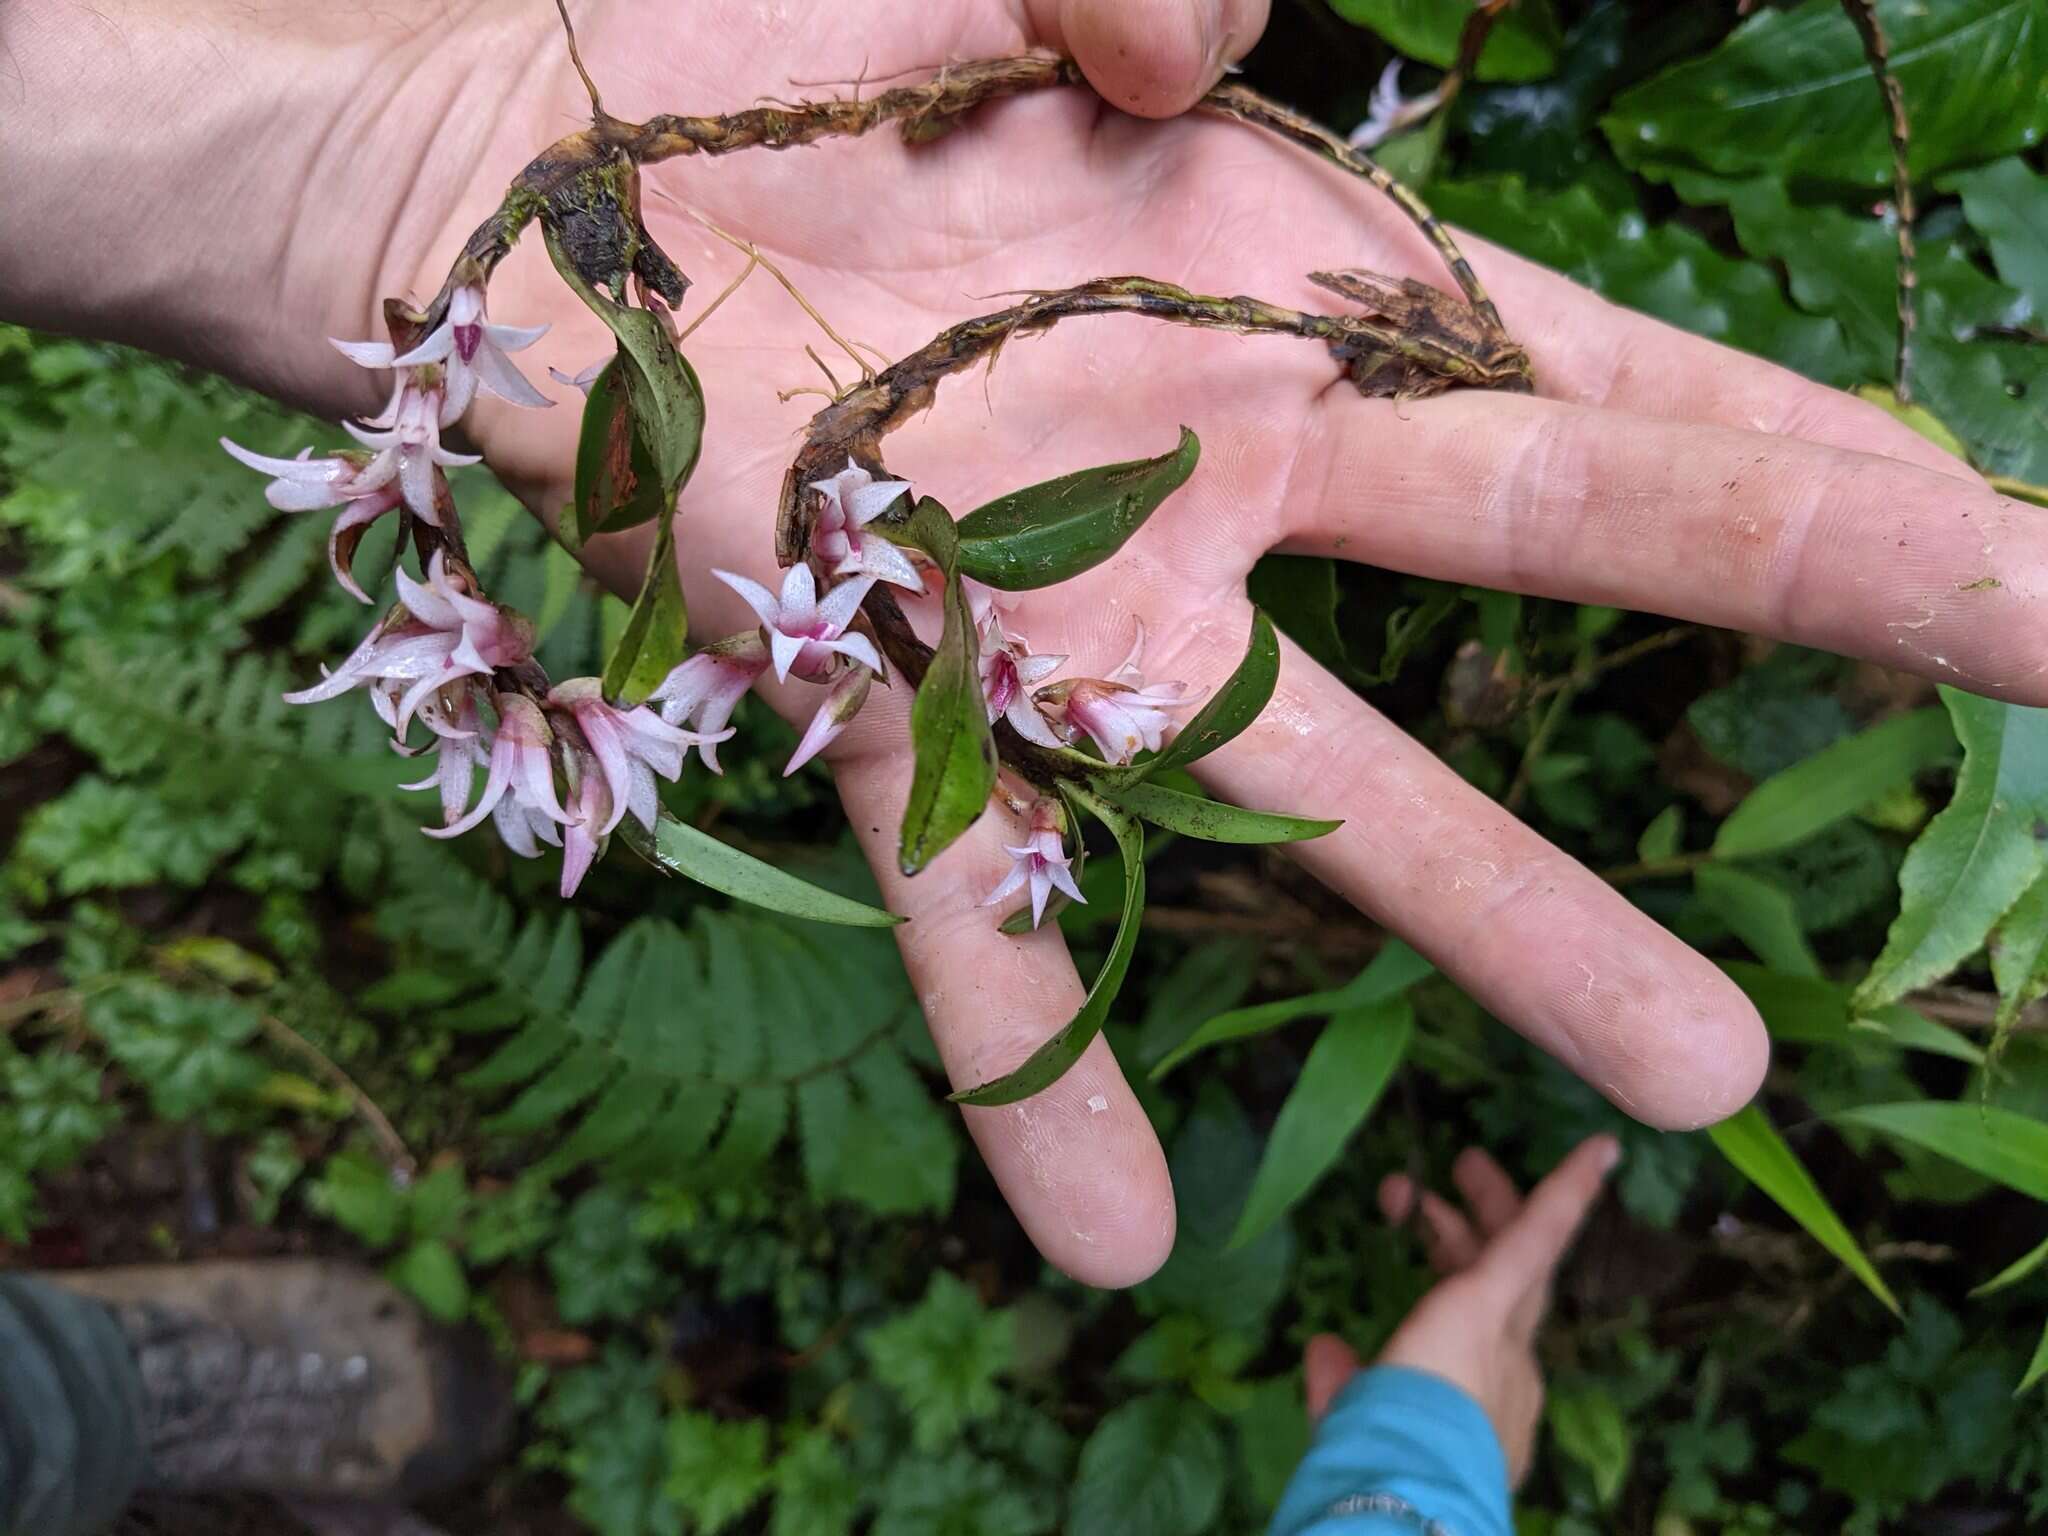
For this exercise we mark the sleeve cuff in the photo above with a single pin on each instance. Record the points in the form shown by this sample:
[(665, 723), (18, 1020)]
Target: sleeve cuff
[(1400, 1448)]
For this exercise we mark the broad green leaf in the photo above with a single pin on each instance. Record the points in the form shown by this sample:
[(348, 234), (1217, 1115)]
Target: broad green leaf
[(1236, 705), (2036, 1367), (1049, 532), (1789, 94), (617, 484), (1997, 1143), (954, 755), (1347, 1069), (1975, 858), (2007, 204), (1392, 971), (1753, 1145), (657, 628), (1759, 913), (1985, 386), (1522, 46), (1300, 592), (666, 399), (677, 848), (432, 1275), (1836, 781), (1589, 1428), (1049, 1063), (1153, 1467), (1810, 1010), (1666, 270), (2019, 954), (1212, 820), (1661, 838), (2014, 1272)]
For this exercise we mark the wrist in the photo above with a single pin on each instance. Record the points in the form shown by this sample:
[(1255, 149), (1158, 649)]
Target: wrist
[(228, 184)]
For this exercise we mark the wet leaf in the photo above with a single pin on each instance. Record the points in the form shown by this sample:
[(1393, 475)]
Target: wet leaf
[(1236, 704), (1347, 1070), (677, 848), (1523, 45), (1976, 857), (1788, 94), (1049, 1063), (1212, 820), (1049, 532), (1753, 1145)]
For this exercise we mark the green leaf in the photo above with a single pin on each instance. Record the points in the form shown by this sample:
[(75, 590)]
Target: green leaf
[(666, 401), (1760, 913), (1977, 857), (1810, 1010), (2036, 1367), (1049, 1063), (1523, 45), (430, 1273), (1590, 1429), (651, 645), (2019, 955), (1050, 532), (1753, 1145), (1789, 94), (1662, 838), (2014, 1272), (2010, 1148), (617, 484), (954, 765), (1347, 1069), (677, 848), (1836, 781), (1212, 820), (943, 1359), (1153, 1467), (2007, 204), (1666, 270), (1392, 971), (1236, 705), (717, 1468)]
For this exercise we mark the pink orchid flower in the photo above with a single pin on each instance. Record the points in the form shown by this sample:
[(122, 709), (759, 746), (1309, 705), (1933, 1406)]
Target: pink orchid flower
[(703, 692), (1121, 713), (853, 499), (803, 632), (363, 487), (842, 702), (630, 746), (1042, 863), (520, 777)]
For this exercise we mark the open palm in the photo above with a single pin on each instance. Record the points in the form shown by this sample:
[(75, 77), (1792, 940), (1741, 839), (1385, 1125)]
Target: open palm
[(1653, 470)]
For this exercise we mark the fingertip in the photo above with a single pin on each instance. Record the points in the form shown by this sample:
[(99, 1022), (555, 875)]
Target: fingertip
[(1155, 58), (1397, 1198), (1326, 1364)]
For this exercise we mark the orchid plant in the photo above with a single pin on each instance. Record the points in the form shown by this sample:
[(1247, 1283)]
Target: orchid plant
[(879, 585)]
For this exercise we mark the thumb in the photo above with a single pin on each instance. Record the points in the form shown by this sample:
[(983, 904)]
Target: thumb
[(1326, 1365), (1154, 58)]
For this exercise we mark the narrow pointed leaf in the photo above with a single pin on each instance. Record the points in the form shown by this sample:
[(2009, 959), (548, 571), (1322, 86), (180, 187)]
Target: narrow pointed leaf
[(954, 756), (1753, 1145), (1760, 913), (678, 848), (1977, 857), (1236, 705), (1392, 971), (2010, 1148), (1811, 1010), (2036, 1367), (1347, 1070), (2014, 1272), (1049, 1063), (1836, 781), (1049, 532), (651, 644), (2019, 956), (1212, 820)]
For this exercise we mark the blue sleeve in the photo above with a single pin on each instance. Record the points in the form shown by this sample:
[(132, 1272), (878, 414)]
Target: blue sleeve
[(1400, 1453)]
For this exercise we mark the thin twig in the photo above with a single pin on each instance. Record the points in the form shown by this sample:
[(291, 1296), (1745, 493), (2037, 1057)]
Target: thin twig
[(385, 1133), (723, 294), (1656, 869), (1967, 1008), (753, 254), (1581, 677), (576, 58), (1539, 743), (1877, 50)]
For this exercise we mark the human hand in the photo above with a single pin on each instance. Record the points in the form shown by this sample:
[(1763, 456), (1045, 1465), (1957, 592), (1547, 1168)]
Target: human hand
[(1653, 471), (1477, 1327)]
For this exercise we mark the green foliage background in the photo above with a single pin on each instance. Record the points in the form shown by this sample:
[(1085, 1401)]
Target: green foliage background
[(688, 1165)]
